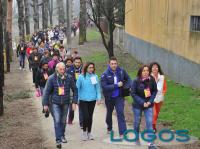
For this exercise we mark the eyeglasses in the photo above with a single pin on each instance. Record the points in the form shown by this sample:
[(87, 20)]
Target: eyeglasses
[(90, 67)]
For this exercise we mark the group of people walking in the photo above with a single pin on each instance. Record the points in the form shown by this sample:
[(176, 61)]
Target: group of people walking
[(64, 81), (147, 89)]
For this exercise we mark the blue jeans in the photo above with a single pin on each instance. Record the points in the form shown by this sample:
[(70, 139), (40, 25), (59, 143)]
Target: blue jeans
[(118, 103), (22, 60), (42, 92), (59, 113), (148, 113)]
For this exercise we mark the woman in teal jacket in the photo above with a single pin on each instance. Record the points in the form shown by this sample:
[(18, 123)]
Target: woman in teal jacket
[(88, 94)]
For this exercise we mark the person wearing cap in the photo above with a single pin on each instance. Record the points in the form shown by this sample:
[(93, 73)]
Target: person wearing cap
[(58, 87)]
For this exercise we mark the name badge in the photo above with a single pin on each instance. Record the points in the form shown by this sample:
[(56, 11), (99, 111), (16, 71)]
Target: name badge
[(77, 75), (61, 91), (45, 76), (22, 48), (147, 93), (93, 80), (36, 58)]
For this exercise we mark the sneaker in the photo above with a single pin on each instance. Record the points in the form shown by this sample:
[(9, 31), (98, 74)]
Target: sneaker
[(59, 145), (108, 131), (152, 146), (20, 68), (24, 69), (121, 136), (84, 136), (90, 136), (81, 125), (63, 139)]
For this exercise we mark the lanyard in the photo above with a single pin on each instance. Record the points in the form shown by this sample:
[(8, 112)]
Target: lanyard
[(59, 84)]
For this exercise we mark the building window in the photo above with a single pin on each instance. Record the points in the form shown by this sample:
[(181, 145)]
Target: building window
[(195, 23)]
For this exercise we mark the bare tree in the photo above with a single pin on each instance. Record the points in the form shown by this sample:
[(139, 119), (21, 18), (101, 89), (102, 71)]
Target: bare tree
[(1, 61), (4, 16), (35, 15), (83, 22), (27, 15), (68, 20), (51, 12), (61, 14), (20, 4), (106, 9), (44, 4), (9, 33)]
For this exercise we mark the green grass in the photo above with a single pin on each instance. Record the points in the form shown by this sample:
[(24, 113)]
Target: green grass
[(22, 94), (93, 35), (181, 109)]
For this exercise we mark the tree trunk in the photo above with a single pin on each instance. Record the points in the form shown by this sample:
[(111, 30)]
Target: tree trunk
[(21, 19), (9, 33), (45, 14), (110, 42), (27, 15), (1, 62), (4, 9), (82, 27), (36, 15), (51, 12), (68, 20), (61, 14)]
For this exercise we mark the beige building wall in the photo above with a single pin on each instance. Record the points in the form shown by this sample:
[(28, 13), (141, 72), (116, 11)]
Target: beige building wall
[(166, 24)]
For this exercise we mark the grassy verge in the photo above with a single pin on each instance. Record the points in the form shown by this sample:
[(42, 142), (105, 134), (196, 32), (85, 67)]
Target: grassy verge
[(93, 34), (22, 94), (182, 104)]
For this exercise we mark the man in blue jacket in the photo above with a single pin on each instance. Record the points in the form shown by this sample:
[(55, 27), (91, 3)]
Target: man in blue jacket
[(75, 70), (58, 87), (112, 81)]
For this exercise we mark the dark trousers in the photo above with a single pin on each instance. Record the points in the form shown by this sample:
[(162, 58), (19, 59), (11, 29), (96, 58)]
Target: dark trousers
[(34, 70), (118, 104), (87, 108), (71, 114)]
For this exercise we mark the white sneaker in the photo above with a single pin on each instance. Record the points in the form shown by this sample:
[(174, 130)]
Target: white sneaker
[(84, 136), (20, 68), (90, 136), (24, 69)]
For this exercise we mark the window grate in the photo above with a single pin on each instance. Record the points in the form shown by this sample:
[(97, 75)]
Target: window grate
[(195, 23)]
